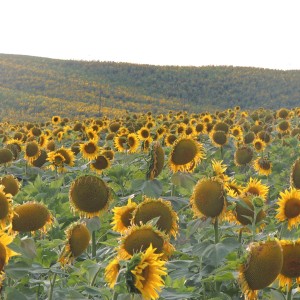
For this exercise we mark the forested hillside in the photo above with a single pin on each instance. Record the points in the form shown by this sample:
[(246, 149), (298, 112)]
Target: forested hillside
[(36, 88)]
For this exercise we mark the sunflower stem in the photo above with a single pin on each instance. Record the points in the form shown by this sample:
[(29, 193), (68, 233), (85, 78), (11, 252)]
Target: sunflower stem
[(52, 283), (216, 228), (94, 244), (222, 154), (289, 294)]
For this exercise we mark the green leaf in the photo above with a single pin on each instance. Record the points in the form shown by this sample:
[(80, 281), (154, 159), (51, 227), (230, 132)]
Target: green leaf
[(14, 294), (152, 188), (29, 247), (184, 180)]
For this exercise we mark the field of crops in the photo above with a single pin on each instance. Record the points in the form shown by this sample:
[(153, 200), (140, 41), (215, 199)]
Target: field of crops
[(168, 206)]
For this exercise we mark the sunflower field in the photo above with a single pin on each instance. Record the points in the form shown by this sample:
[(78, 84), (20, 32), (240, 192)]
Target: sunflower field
[(171, 206)]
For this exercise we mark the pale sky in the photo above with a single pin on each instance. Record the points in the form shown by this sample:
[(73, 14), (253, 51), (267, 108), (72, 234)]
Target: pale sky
[(256, 33)]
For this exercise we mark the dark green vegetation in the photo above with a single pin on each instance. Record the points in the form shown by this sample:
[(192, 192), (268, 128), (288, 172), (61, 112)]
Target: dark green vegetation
[(42, 87)]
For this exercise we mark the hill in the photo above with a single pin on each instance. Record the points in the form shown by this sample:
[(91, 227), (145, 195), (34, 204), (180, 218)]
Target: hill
[(37, 88)]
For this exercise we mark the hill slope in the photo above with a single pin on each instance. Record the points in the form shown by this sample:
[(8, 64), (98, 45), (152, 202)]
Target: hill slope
[(37, 88)]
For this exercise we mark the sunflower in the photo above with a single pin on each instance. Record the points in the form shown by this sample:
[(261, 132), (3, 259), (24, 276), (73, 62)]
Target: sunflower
[(249, 137), (56, 120), (57, 161), (200, 127), (243, 155), (89, 195), (219, 170), (283, 113), (291, 263), (256, 188), (259, 145), (170, 139), (237, 132), (219, 138), (148, 274), (295, 174), (43, 141), (91, 135), (78, 239), (89, 150), (32, 151), (263, 264), (221, 126), (139, 238), (110, 154), (207, 118), (157, 208), (263, 166), (157, 160), (111, 272), (289, 207), (123, 216), (120, 143), (5, 252), (133, 142), (6, 209), (31, 216), (208, 198), (186, 154), (233, 189), (11, 184), (144, 133), (100, 163), (6, 156)]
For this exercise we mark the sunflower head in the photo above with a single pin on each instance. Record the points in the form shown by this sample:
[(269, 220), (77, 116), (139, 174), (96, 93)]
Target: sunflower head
[(11, 184), (89, 195), (186, 154), (145, 271), (259, 145), (263, 166), (249, 137), (6, 156), (256, 188), (283, 113), (123, 216), (289, 207), (6, 210), (170, 139), (31, 216), (221, 126), (291, 263), (218, 137), (144, 133), (78, 239), (5, 252), (139, 238), (112, 271), (157, 160), (295, 174), (56, 120), (243, 155), (262, 266), (150, 209), (90, 149), (32, 151), (133, 142), (208, 198)]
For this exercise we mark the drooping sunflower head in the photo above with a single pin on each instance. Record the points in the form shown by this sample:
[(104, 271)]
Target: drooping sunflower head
[(41, 160), (264, 136), (6, 210), (219, 138), (138, 238), (150, 209), (262, 266), (90, 149), (289, 207), (51, 145), (256, 188), (147, 270), (221, 126), (78, 239), (291, 263), (243, 155), (6, 156), (263, 166), (89, 196), (11, 184), (295, 174), (100, 164), (110, 154), (186, 154), (249, 137), (114, 126), (123, 216), (31, 216), (157, 160), (208, 198)]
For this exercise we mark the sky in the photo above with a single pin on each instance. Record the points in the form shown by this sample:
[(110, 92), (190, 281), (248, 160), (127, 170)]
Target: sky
[(255, 33)]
